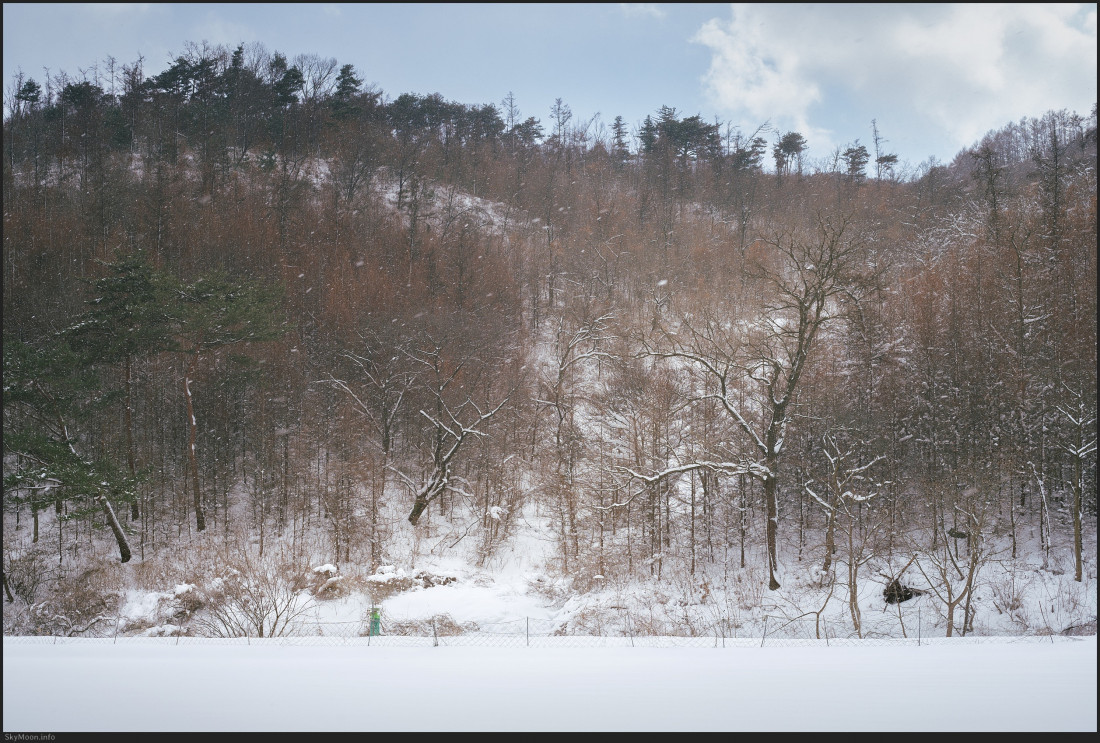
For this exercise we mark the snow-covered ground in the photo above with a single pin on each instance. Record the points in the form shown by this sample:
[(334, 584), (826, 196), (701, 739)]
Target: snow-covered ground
[(155, 685), (447, 588)]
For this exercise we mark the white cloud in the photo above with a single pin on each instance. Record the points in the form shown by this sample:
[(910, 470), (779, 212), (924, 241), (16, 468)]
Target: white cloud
[(642, 10), (751, 74), (962, 69)]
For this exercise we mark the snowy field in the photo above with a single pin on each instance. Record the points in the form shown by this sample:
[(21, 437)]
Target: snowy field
[(156, 685)]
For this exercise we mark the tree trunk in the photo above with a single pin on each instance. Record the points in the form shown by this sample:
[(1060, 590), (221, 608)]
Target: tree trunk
[(192, 435), (771, 530), (692, 529), (744, 510), (853, 585), (120, 537), (7, 590), (418, 508), (1077, 488), (135, 512)]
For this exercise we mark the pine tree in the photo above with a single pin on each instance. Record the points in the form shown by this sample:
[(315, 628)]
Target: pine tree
[(856, 158), (620, 151), (647, 135), (129, 318), (343, 98), (47, 388)]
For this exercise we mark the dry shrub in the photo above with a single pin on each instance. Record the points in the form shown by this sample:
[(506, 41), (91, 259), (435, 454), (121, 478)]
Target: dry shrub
[(85, 603), (155, 573), (599, 621), (441, 625), (586, 573), (651, 620), (27, 573), (1085, 629), (749, 586), (335, 587), (554, 590), (1008, 593), (326, 586), (253, 597), (380, 590), (187, 603), (139, 625)]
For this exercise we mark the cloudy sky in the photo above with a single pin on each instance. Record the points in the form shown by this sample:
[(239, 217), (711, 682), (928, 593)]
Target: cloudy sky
[(934, 77)]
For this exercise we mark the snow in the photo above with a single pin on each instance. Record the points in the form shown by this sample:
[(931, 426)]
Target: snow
[(486, 605), (272, 685), (329, 583), (141, 604), (386, 574), (163, 630)]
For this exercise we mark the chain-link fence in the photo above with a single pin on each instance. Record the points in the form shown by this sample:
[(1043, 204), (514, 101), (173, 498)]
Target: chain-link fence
[(514, 641), (443, 631)]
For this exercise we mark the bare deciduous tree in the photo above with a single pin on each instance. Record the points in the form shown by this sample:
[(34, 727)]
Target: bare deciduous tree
[(453, 423), (805, 275)]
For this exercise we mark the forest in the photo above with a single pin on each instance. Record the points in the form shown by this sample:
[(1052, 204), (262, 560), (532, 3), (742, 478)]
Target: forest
[(255, 309)]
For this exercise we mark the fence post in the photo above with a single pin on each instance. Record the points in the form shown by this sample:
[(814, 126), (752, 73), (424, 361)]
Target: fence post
[(435, 637), (765, 635)]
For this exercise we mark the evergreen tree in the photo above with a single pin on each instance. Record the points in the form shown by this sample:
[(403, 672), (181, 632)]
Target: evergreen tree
[(48, 388), (343, 98), (856, 158), (788, 150), (529, 132), (620, 151), (129, 318), (647, 135), (748, 153)]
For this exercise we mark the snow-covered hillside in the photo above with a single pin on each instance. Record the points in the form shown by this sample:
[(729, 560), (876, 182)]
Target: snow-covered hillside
[(436, 583)]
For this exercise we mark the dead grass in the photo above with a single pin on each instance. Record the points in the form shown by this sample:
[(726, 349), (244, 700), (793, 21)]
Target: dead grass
[(441, 625)]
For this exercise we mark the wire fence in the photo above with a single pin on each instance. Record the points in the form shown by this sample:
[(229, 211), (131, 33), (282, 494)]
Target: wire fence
[(776, 632), (511, 641)]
